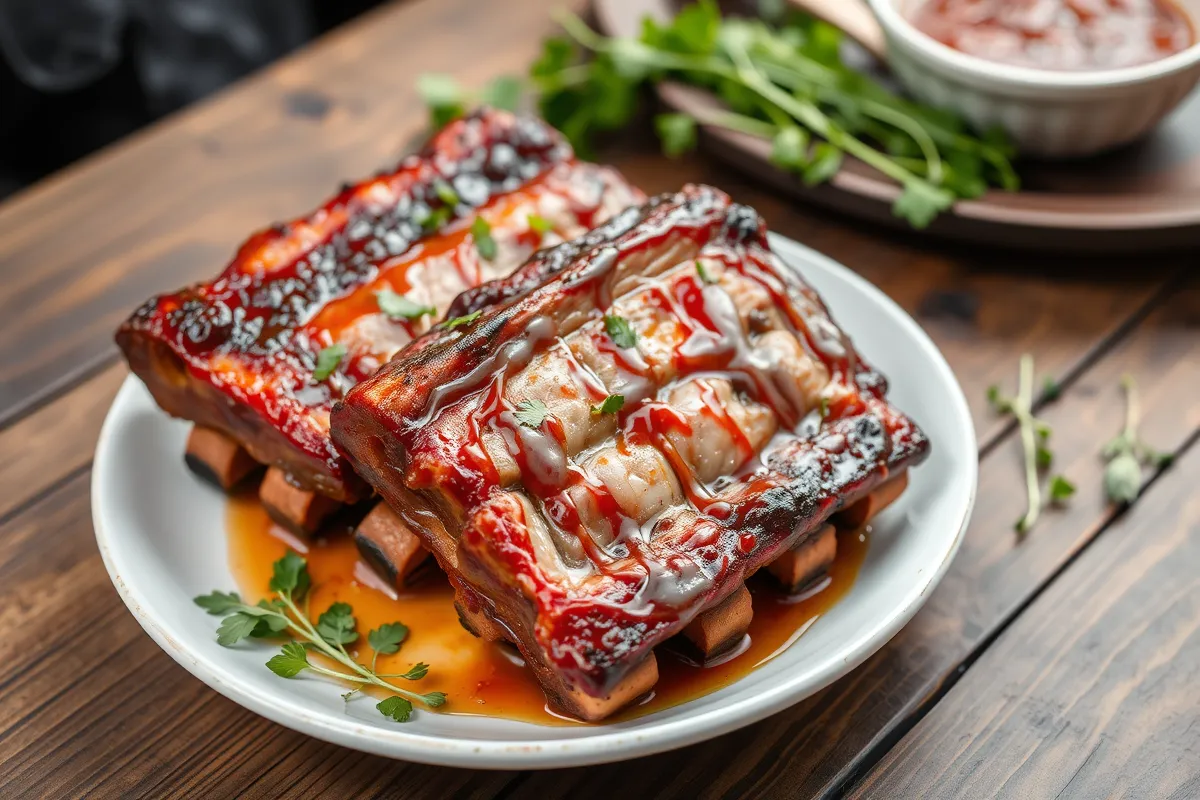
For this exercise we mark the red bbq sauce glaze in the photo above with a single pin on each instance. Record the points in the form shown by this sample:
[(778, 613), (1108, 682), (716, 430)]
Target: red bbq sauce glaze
[(1059, 34), (486, 678), (635, 572)]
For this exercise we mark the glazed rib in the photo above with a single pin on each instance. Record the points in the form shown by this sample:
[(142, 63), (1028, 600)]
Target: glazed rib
[(237, 355), (587, 538)]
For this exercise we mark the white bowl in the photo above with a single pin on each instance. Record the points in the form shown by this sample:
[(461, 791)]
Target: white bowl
[(1051, 114), (162, 536)]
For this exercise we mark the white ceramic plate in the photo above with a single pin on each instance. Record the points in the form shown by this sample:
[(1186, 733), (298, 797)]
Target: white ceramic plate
[(162, 536)]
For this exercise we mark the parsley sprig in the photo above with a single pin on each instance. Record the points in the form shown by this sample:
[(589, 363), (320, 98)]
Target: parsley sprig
[(1035, 442), (1126, 453), (284, 616), (783, 81)]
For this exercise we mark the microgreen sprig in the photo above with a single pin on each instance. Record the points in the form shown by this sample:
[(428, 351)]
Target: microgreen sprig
[(282, 616), (1126, 453), (1035, 444)]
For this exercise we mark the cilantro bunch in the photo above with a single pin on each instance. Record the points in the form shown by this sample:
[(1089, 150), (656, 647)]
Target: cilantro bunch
[(283, 616), (783, 81)]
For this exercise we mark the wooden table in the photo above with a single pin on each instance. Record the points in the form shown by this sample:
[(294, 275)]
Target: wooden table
[(1065, 664)]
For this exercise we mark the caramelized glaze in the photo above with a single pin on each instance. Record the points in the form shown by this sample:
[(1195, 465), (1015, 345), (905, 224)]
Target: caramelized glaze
[(487, 678)]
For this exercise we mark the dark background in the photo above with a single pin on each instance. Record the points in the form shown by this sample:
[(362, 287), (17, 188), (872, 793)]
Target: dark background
[(76, 75)]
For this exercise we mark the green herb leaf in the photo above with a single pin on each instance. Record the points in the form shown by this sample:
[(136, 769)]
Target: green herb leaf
[(219, 602), (531, 413), (396, 708), (1123, 478), (920, 203), (386, 639), (434, 219), (705, 277), (1050, 389), (444, 97), (434, 699), (337, 624), (416, 672), (1043, 457), (236, 627), (611, 405), (620, 331), (677, 132), (826, 161), (481, 232), (328, 360), (290, 662), (1060, 489), (463, 320), (540, 225), (503, 92), (397, 306), (789, 149), (445, 192), (289, 575)]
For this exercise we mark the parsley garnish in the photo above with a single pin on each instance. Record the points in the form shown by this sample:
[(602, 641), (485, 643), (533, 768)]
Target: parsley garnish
[(1126, 452), (481, 231), (621, 332), (466, 319), (705, 277), (397, 306), (446, 193), (328, 360), (540, 225), (611, 405), (1035, 441), (782, 80), (434, 219), (286, 615), (531, 413)]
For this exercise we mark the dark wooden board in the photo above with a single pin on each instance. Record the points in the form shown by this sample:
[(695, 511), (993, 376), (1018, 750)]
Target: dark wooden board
[(1092, 692), (92, 706)]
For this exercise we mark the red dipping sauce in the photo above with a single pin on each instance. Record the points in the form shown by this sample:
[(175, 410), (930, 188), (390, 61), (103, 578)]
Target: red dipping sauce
[(1059, 34)]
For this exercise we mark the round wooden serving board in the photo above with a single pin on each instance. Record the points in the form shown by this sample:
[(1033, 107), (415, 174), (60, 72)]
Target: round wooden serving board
[(1142, 197)]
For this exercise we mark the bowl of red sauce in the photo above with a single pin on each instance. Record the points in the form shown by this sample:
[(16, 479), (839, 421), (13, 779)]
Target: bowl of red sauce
[(1065, 78)]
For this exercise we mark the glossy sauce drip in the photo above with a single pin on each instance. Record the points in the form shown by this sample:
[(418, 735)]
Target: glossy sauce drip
[(486, 678), (1059, 34)]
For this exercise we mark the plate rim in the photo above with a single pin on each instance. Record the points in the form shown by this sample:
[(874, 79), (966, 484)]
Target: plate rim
[(632, 742)]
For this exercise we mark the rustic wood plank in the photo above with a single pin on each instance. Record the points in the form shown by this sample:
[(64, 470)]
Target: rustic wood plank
[(1092, 691), (820, 745), (169, 206), (93, 707), (57, 440)]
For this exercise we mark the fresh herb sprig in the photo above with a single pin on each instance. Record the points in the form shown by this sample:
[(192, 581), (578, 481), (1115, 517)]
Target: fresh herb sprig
[(286, 615), (1035, 443), (782, 81), (1126, 453)]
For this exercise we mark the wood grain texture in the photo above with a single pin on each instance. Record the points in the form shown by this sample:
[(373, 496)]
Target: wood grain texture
[(56, 440), (170, 205), (1092, 691), (821, 744), (92, 706)]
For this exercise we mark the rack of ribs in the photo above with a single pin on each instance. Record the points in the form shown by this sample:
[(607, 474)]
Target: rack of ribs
[(367, 272), (603, 456)]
